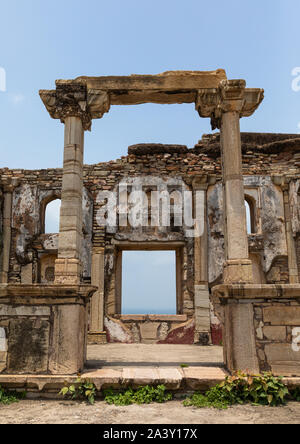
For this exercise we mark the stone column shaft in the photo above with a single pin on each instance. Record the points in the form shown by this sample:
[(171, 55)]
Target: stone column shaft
[(202, 299), (68, 264), (291, 248), (225, 106), (238, 267), (7, 213), (97, 301)]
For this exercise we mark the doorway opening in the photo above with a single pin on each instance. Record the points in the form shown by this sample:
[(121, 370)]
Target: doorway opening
[(149, 282)]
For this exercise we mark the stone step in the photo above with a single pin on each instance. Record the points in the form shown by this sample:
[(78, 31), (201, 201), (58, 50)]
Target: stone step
[(181, 379)]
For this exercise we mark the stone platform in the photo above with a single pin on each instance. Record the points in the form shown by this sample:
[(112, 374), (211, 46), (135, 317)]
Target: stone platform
[(122, 365)]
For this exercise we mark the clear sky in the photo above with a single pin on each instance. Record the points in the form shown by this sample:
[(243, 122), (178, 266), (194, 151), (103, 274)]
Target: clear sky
[(41, 41), (149, 282)]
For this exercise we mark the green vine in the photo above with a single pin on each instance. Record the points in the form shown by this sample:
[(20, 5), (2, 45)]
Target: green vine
[(143, 395), (241, 388), (9, 397), (81, 389)]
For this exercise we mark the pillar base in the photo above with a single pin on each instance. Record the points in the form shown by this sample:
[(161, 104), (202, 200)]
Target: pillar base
[(238, 271), (67, 271), (3, 277), (202, 338), (97, 337)]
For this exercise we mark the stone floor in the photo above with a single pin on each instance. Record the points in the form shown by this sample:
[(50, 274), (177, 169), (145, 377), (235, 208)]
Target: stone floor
[(118, 356)]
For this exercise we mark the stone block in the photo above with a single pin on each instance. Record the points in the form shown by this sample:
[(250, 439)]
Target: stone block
[(149, 330), (170, 377), (239, 344), (275, 333), (282, 315), (26, 274), (9, 310), (68, 342), (280, 353), (28, 346), (201, 297), (97, 338), (238, 271), (3, 340)]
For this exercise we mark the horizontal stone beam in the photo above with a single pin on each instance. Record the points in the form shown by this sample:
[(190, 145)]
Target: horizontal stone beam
[(44, 294), (166, 88), (167, 81), (257, 291)]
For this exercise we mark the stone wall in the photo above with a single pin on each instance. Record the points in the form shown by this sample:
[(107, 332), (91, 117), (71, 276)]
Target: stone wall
[(150, 329), (266, 157), (262, 328), (43, 329), (275, 322)]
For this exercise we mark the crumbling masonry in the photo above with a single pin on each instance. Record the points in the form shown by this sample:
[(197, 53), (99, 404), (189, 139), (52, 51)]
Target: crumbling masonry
[(55, 287)]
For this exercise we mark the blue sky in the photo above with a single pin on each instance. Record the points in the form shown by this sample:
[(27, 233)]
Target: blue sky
[(43, 41), (149, 282)]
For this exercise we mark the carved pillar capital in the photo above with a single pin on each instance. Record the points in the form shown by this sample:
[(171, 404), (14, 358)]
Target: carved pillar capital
[(230, 96), (200, 183), (8, 185), (72, 99)]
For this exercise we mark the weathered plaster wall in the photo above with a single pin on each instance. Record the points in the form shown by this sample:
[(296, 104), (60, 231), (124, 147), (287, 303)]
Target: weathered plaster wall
[(264, 156)]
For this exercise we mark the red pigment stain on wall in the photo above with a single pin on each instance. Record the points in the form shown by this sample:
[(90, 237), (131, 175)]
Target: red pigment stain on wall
[(217, 334), (181, 335)]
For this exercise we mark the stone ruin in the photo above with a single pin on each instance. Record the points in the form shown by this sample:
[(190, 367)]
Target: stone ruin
[(60, 291)]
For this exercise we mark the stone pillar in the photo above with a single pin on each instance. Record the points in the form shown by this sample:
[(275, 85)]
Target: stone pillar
[(291, 247), (202, 299), (68, 264), (96, 333), (7, 214), (75, 105), (238, 267), (225, 106)]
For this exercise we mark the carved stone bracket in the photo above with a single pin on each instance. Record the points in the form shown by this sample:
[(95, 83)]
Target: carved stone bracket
[(231, 96), (75, 100)]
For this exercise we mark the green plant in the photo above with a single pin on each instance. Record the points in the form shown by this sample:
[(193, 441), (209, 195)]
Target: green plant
[(240, 388), (143, 395), (81, 389), (9, 397)]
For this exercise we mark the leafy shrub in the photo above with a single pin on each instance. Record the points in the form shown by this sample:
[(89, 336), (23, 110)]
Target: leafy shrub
[(143, 395), (9, 397), (81, 389), (240, 388)]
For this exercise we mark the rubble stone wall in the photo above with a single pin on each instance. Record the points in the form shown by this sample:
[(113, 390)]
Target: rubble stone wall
[(265, 157)]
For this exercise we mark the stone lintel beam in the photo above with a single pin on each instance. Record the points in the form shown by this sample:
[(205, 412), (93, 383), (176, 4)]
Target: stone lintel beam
[(257, 291), (166, 88), (230, 96), (75, 100), (44, 294)]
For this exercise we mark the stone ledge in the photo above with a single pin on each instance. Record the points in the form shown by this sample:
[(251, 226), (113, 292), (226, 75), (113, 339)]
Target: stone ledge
[(263, 291), (162, 318), (38, 294), (192, 378)]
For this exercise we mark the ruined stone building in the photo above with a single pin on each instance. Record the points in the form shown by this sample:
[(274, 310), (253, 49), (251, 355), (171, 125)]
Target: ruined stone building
[(261, 169)]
